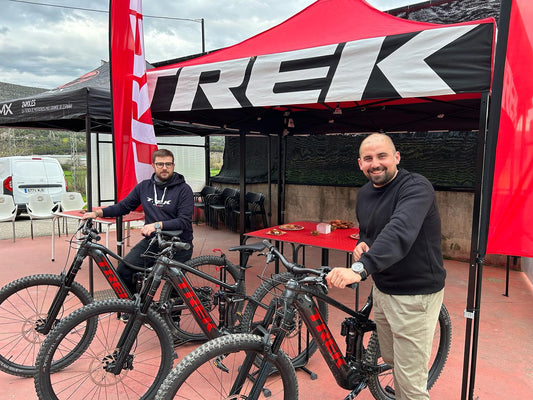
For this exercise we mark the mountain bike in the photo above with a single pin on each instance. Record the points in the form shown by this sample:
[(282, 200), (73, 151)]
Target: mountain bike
[(240, 366), (130, 351), (31, 306)]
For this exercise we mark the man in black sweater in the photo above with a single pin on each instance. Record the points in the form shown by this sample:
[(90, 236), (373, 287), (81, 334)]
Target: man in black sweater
[(400, 246), (168, 203)]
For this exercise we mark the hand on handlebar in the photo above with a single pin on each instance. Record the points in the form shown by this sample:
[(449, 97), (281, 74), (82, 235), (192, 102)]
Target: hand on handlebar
[(148, 229), (89, 214), (341, 277)]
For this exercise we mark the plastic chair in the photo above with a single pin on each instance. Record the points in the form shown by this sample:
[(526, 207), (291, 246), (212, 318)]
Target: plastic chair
[(8, 210), (255, 205), (199, 201), (41, 206), (216, 205), (71, 201)]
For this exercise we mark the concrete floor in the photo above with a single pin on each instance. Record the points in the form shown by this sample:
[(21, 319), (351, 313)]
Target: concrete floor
[(505, 352)]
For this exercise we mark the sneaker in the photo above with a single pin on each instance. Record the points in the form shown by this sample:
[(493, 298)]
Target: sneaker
[(123, 317)]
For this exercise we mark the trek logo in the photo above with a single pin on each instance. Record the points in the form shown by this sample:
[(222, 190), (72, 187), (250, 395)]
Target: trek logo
[(370, 68), (197, 306), (158, 203), (112, 279), (6, 109), (327, 339)]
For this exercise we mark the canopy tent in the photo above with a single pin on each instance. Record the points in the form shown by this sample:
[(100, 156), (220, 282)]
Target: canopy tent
[(382, 72), (83, 104), (65, 107), (341, 66)]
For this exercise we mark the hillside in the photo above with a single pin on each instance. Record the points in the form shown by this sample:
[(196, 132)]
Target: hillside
[(10, 91)]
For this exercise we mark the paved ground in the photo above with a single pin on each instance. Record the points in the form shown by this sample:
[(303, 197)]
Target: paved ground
[(505, 352)]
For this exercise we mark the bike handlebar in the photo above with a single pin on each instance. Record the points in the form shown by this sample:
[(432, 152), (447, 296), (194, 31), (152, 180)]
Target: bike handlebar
[(296, 269), (87, 229), (174, 242)]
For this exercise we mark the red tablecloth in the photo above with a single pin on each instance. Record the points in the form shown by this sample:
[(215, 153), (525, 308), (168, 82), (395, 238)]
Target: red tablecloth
[(339, 239)]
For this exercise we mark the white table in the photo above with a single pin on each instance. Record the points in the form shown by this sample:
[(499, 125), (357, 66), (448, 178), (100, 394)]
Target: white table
[(107, 222)]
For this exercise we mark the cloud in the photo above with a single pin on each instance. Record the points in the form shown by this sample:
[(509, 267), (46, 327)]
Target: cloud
[(47, 46)]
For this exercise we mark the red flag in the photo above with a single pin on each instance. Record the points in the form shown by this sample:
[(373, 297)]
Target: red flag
[(133, 131), (511, 215)]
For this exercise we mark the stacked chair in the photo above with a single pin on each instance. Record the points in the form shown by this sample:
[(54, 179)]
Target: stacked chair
[(218, 206), (41, 206), (199, 201), (254, 206), (8, 210)]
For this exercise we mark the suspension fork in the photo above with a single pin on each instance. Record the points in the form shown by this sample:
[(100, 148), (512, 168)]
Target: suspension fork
[(63, 290), (122, 358), (268, 355)]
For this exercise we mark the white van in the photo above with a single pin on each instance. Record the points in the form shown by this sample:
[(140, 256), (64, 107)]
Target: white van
[(22, 176)]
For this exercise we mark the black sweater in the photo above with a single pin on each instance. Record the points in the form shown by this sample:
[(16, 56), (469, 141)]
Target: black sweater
[(401, 224), (174, 209)]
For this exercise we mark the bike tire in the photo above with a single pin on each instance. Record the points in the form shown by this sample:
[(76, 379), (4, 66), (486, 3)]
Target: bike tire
[(23, 304), (145, 368), (179, 319), (292, 344), (382, 385), (201, 374)]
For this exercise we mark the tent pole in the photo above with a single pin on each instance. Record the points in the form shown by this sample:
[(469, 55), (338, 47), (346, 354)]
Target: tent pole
[(242, 205), (475, 269), (89, 186), (474, 286), (281, 180), (269, 178), (207, 148)]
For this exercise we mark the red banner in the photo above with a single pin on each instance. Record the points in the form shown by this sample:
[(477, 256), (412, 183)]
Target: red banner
[(511, 216), (133, 131)]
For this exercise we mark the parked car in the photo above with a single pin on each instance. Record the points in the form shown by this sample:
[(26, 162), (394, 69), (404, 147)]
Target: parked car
[(22, 176)]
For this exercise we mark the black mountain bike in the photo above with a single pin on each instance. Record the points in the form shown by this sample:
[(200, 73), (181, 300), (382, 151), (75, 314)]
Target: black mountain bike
[(31, 306), (240, 366), (129, 351)]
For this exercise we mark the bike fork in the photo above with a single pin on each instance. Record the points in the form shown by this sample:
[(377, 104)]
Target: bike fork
[(44, 327)]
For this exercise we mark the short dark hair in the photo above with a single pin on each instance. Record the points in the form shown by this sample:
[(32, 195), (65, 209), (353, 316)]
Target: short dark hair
[(162, 153)]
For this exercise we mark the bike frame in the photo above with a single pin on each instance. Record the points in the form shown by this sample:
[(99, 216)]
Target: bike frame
[(349, 370), (170, 270), (99, 254)]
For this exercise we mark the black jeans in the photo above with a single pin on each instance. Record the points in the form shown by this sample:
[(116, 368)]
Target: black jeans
[(134, 257)]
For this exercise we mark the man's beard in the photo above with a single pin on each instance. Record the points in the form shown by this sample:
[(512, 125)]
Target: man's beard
[(382, 179)]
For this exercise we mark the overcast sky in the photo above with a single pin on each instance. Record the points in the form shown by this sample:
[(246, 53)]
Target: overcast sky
[(46, 43)]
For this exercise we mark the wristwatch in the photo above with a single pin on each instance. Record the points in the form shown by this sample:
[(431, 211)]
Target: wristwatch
[(157, 225), (359, 268)]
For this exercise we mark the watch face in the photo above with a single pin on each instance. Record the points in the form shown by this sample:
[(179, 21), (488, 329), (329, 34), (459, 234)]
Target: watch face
[(358, 267), (157, 225)]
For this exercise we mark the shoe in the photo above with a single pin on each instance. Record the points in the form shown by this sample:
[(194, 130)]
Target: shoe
[(123, 317)]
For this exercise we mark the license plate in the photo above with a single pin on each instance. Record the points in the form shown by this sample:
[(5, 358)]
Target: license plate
[(34, 190)]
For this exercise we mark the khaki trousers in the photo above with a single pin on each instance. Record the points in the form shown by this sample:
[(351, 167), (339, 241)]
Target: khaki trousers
[(406, 327)]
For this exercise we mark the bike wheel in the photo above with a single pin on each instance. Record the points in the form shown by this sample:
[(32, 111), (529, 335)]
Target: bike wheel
[(210, 372), (381, 385), (181, 322), (147, 364), (24, 305), (295, 343)]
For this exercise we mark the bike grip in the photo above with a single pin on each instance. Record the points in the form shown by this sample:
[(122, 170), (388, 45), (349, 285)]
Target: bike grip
[(267, 244), (181, 245), (95, 236)]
